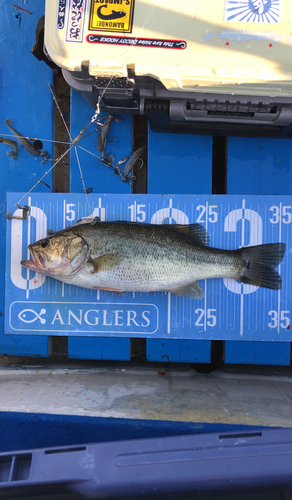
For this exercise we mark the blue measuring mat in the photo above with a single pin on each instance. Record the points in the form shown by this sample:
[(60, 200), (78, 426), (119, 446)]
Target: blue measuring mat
[(39, 305)]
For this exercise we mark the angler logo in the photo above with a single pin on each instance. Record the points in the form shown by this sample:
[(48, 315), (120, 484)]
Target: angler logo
[(111, 15), (30, 316), (91, 318)]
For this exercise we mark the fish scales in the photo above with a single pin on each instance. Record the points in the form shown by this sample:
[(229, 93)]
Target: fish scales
[(162, 252)]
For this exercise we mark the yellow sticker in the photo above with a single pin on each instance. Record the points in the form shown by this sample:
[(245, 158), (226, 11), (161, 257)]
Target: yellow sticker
[(111, 15)]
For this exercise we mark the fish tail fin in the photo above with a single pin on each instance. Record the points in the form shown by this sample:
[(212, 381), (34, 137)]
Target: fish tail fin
[(260, 263)]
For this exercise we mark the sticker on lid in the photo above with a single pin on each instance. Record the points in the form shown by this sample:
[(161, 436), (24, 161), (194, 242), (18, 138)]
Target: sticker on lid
[(61, 14), (137, 42), (75, 25), (252, 11), (114, 15)]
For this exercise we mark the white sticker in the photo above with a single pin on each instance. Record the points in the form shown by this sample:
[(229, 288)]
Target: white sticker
[(252, 11), (75, 25)]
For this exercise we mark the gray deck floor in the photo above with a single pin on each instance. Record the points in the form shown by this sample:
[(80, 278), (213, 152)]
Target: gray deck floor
[(232, 395)]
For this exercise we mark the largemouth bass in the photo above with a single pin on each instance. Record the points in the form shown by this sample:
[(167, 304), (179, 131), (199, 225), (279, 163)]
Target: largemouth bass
[(130, 256)]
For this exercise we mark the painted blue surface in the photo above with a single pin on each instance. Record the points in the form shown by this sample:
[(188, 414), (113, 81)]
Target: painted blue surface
[(257, 353), (25, 97), (259, 166), (229, 310), (101, 179), (179, 351), (179, 163), (21, 431), (118, 349)]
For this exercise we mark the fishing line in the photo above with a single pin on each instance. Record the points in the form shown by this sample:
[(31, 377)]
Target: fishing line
[(62, 156), (82, 179), (90, 133), (98, 157), (46, 173), (50, 140), (73, 143), (59, 109)]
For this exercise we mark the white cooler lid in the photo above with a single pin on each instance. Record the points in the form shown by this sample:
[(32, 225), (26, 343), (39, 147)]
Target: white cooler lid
[(222, 46)]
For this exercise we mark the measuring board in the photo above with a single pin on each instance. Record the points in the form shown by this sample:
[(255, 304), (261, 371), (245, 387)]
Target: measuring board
[(39, 305)]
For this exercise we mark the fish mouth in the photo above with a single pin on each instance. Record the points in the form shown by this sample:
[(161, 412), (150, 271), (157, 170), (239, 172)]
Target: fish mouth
[(38, 262)]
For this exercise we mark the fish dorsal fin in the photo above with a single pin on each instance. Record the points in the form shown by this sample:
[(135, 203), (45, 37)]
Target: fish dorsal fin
[(191, 291), (196, 232), (104, 262), (86, 220)]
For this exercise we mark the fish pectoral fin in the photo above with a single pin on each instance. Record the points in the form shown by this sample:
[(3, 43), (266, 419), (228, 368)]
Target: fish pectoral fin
[(191, 291), (113, 290), (105, 262)]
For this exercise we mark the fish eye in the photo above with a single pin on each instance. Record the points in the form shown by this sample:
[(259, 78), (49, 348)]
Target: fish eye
[(45, 243)]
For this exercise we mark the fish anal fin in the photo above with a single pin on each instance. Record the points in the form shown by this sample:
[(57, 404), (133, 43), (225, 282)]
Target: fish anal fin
[(113, 290), (191, 291), (196, 232), (104, 262)]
